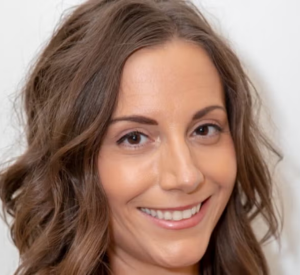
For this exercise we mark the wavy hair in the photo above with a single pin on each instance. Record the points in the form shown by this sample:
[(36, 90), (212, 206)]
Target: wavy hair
[(52, 191)]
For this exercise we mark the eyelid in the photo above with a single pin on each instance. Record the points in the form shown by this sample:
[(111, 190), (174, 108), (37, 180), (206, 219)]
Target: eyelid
[(121, 140), (209, 123), (130, 130)]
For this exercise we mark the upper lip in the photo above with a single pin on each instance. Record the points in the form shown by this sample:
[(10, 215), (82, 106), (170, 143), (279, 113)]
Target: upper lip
[(179, 208)]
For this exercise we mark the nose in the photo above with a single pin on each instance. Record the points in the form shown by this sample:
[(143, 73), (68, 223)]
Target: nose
[(178, 168)]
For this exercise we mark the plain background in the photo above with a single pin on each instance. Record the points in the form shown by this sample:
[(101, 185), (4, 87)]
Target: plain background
[(266, 36)]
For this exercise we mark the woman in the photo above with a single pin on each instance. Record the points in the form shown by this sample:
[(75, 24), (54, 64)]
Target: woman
[(143, 156)]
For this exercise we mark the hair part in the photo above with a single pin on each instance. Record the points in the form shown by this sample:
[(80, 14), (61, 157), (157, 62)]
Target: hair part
[(52, 191)]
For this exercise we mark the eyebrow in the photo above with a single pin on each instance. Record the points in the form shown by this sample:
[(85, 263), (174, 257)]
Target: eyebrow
[(149, 121)]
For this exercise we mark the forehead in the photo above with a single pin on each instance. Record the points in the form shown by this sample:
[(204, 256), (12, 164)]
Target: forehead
[(177, 76)]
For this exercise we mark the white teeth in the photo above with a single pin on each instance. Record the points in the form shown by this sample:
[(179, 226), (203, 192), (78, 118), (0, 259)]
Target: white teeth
[(177, 215), (167, 216), (186, 214), (194, 210), (173, 215), (160, 215)]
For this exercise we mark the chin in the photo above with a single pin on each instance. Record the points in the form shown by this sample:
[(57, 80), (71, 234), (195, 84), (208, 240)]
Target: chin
[(179, 263), (177, 257)]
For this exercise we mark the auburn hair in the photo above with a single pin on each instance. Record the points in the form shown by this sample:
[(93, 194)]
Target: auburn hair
[(52, 192)]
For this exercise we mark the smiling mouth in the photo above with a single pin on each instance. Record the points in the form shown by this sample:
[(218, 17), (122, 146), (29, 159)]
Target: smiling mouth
[(169, 215)]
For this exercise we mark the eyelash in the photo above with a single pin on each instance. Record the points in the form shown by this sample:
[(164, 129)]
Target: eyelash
[(138, 133)]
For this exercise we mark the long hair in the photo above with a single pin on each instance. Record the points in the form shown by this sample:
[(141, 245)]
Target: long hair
[(52, 191)]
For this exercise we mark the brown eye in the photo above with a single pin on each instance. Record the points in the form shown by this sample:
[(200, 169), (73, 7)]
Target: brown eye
[(133, 139), (203, 130), (207, 130)]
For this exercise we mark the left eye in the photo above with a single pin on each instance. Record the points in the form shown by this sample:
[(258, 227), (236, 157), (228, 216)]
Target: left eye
[(133, 139), (207, 130)]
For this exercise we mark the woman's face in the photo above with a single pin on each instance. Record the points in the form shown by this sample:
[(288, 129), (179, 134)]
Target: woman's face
[(167, 152)]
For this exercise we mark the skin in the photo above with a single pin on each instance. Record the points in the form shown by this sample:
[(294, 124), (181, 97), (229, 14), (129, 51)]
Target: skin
[(167, 165)]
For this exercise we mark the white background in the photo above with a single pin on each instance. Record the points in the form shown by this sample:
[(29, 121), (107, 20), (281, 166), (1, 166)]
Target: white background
[(266, 36)]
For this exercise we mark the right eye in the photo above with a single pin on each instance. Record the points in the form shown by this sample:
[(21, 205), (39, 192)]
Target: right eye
[(133, 139)]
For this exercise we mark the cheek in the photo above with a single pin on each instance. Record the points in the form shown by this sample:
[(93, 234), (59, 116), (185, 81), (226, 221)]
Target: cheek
[(125, 178), (220, 169), (219, 165)]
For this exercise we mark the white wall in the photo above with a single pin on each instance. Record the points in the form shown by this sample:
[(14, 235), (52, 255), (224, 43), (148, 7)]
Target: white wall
[(266, 35)]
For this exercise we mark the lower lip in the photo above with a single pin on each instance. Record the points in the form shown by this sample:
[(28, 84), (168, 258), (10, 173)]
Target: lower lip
[(183, 224)]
